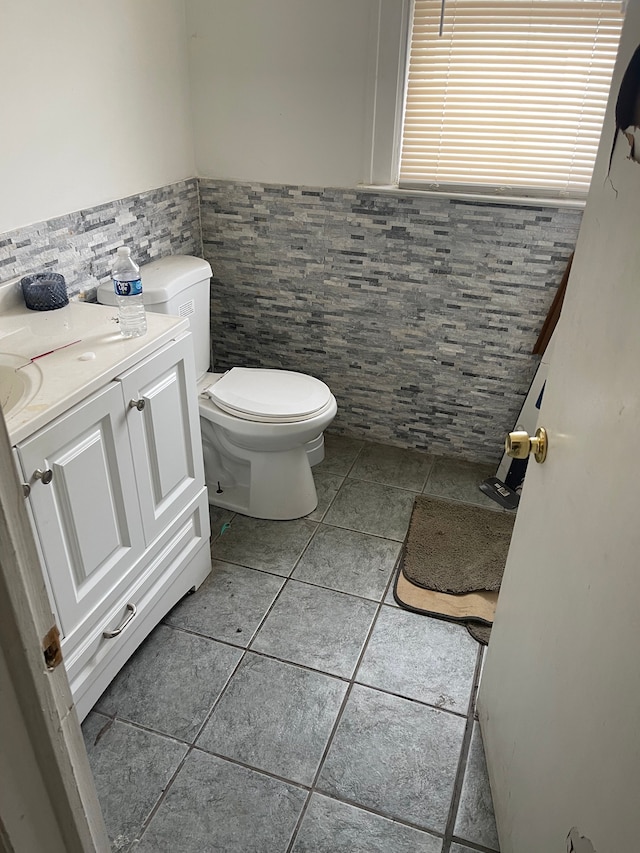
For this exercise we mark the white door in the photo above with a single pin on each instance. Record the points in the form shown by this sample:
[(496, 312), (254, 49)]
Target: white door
[(560, 696)]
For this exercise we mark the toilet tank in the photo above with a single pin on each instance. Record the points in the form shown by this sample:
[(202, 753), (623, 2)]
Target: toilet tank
[(178, 285)]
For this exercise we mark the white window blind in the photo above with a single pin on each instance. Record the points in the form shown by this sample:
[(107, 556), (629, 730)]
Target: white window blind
[(511, 97)]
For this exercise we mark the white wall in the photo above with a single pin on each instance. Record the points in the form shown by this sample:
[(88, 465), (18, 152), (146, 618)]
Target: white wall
[(95, 103), (283, 91)]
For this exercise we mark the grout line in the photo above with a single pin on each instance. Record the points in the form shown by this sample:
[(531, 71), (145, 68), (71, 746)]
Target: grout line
[(217, 536), (464, 755), (448, 499), (191, 747), (471, 845), (355, 479), (334, 728), (332, 499), (366, 533), (251, 568), (161, 798), (402, 821), (333, 589), (253, 769)]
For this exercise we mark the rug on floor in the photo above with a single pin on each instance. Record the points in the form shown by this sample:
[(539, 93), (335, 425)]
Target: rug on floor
[(452, 561)]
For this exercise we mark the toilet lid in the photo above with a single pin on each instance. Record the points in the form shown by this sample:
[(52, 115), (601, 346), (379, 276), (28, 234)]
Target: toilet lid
[(260, 393)]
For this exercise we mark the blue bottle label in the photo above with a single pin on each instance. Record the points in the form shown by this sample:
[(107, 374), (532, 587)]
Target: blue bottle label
[(127, 288)]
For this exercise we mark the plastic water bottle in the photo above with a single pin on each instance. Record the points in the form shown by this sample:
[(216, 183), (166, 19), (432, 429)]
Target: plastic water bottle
[(127, 285)]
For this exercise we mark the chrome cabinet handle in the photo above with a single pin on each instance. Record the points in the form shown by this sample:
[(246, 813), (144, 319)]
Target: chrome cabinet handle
[(46, 476), (137, 404), (132, 610)]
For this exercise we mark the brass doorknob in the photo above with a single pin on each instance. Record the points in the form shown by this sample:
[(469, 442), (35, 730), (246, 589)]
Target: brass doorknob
[(519, 444)]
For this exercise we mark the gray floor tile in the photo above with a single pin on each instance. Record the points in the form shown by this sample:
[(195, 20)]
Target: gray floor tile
[(327, 486), (333, 827), (171, 682), (475, 821), (270, 545), (340, 452), (348, 561), (395, 756), (214, 805), (459, 848), (393, 466), (131, 768), (421, 658), (371, 508), (316, 627), (218, 517), (229, 605), (459, 481), (275, 717)]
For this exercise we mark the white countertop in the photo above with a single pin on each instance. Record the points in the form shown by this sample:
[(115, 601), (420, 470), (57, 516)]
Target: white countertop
[(97, 354)]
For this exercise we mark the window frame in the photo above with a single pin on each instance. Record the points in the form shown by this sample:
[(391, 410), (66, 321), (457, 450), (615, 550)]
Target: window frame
[(391, 39)]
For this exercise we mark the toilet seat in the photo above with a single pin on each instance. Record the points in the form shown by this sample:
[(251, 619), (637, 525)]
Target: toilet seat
[(270, 396)]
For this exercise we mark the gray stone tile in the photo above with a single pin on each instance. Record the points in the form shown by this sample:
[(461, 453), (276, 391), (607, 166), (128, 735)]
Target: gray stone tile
[(270, 545), (316, 627), (371, 508), (421, 658), (340, 452), (330, 826), (276, 717), (348, 561), (214, 805), (229, 605), (459, 481), (393, 466), (459, 848), (395, 756), (171, 682), (218, 517), (475, 821), (327, 486), (131, 768)]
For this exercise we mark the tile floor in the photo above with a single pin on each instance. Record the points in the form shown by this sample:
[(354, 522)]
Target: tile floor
[(289, 705)]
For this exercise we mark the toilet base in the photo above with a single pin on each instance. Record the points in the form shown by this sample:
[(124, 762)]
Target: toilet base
[(282, 486), (272, 494)]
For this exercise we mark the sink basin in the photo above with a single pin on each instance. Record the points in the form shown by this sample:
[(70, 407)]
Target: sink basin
[(18, 382)]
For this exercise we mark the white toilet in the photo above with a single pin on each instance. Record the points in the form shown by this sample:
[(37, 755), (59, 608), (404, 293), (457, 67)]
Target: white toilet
[(262, 429)]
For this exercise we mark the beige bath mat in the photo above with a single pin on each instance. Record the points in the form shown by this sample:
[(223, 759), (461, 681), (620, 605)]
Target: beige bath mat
[(452, 562)]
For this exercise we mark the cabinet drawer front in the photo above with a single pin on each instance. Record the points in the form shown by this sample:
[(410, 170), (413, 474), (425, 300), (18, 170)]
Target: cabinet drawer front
[(87, 516), (165, 433)]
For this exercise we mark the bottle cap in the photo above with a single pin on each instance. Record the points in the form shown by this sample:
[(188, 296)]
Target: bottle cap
[(125, 251)]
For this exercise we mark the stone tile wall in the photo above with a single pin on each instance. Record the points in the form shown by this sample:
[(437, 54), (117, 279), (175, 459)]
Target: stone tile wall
[(81, 245), (419, 312)]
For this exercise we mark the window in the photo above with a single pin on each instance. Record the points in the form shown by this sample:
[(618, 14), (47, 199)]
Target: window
[(510, 98)]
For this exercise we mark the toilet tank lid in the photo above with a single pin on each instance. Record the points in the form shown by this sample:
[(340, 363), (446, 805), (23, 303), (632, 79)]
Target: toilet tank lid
[(163, 279)]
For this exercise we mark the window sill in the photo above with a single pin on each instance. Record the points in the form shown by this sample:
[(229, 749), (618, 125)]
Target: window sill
[(495, 199)]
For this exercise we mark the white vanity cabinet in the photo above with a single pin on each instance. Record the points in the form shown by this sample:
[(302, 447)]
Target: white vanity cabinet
[(120, 512)]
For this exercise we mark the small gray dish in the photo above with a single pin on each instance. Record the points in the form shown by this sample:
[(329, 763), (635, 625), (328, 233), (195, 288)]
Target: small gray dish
[(44, 291)]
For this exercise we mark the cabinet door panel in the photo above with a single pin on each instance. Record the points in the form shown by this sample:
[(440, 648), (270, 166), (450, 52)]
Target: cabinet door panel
[(90, 513), (165, 434), (87, 517), (164, 400)]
